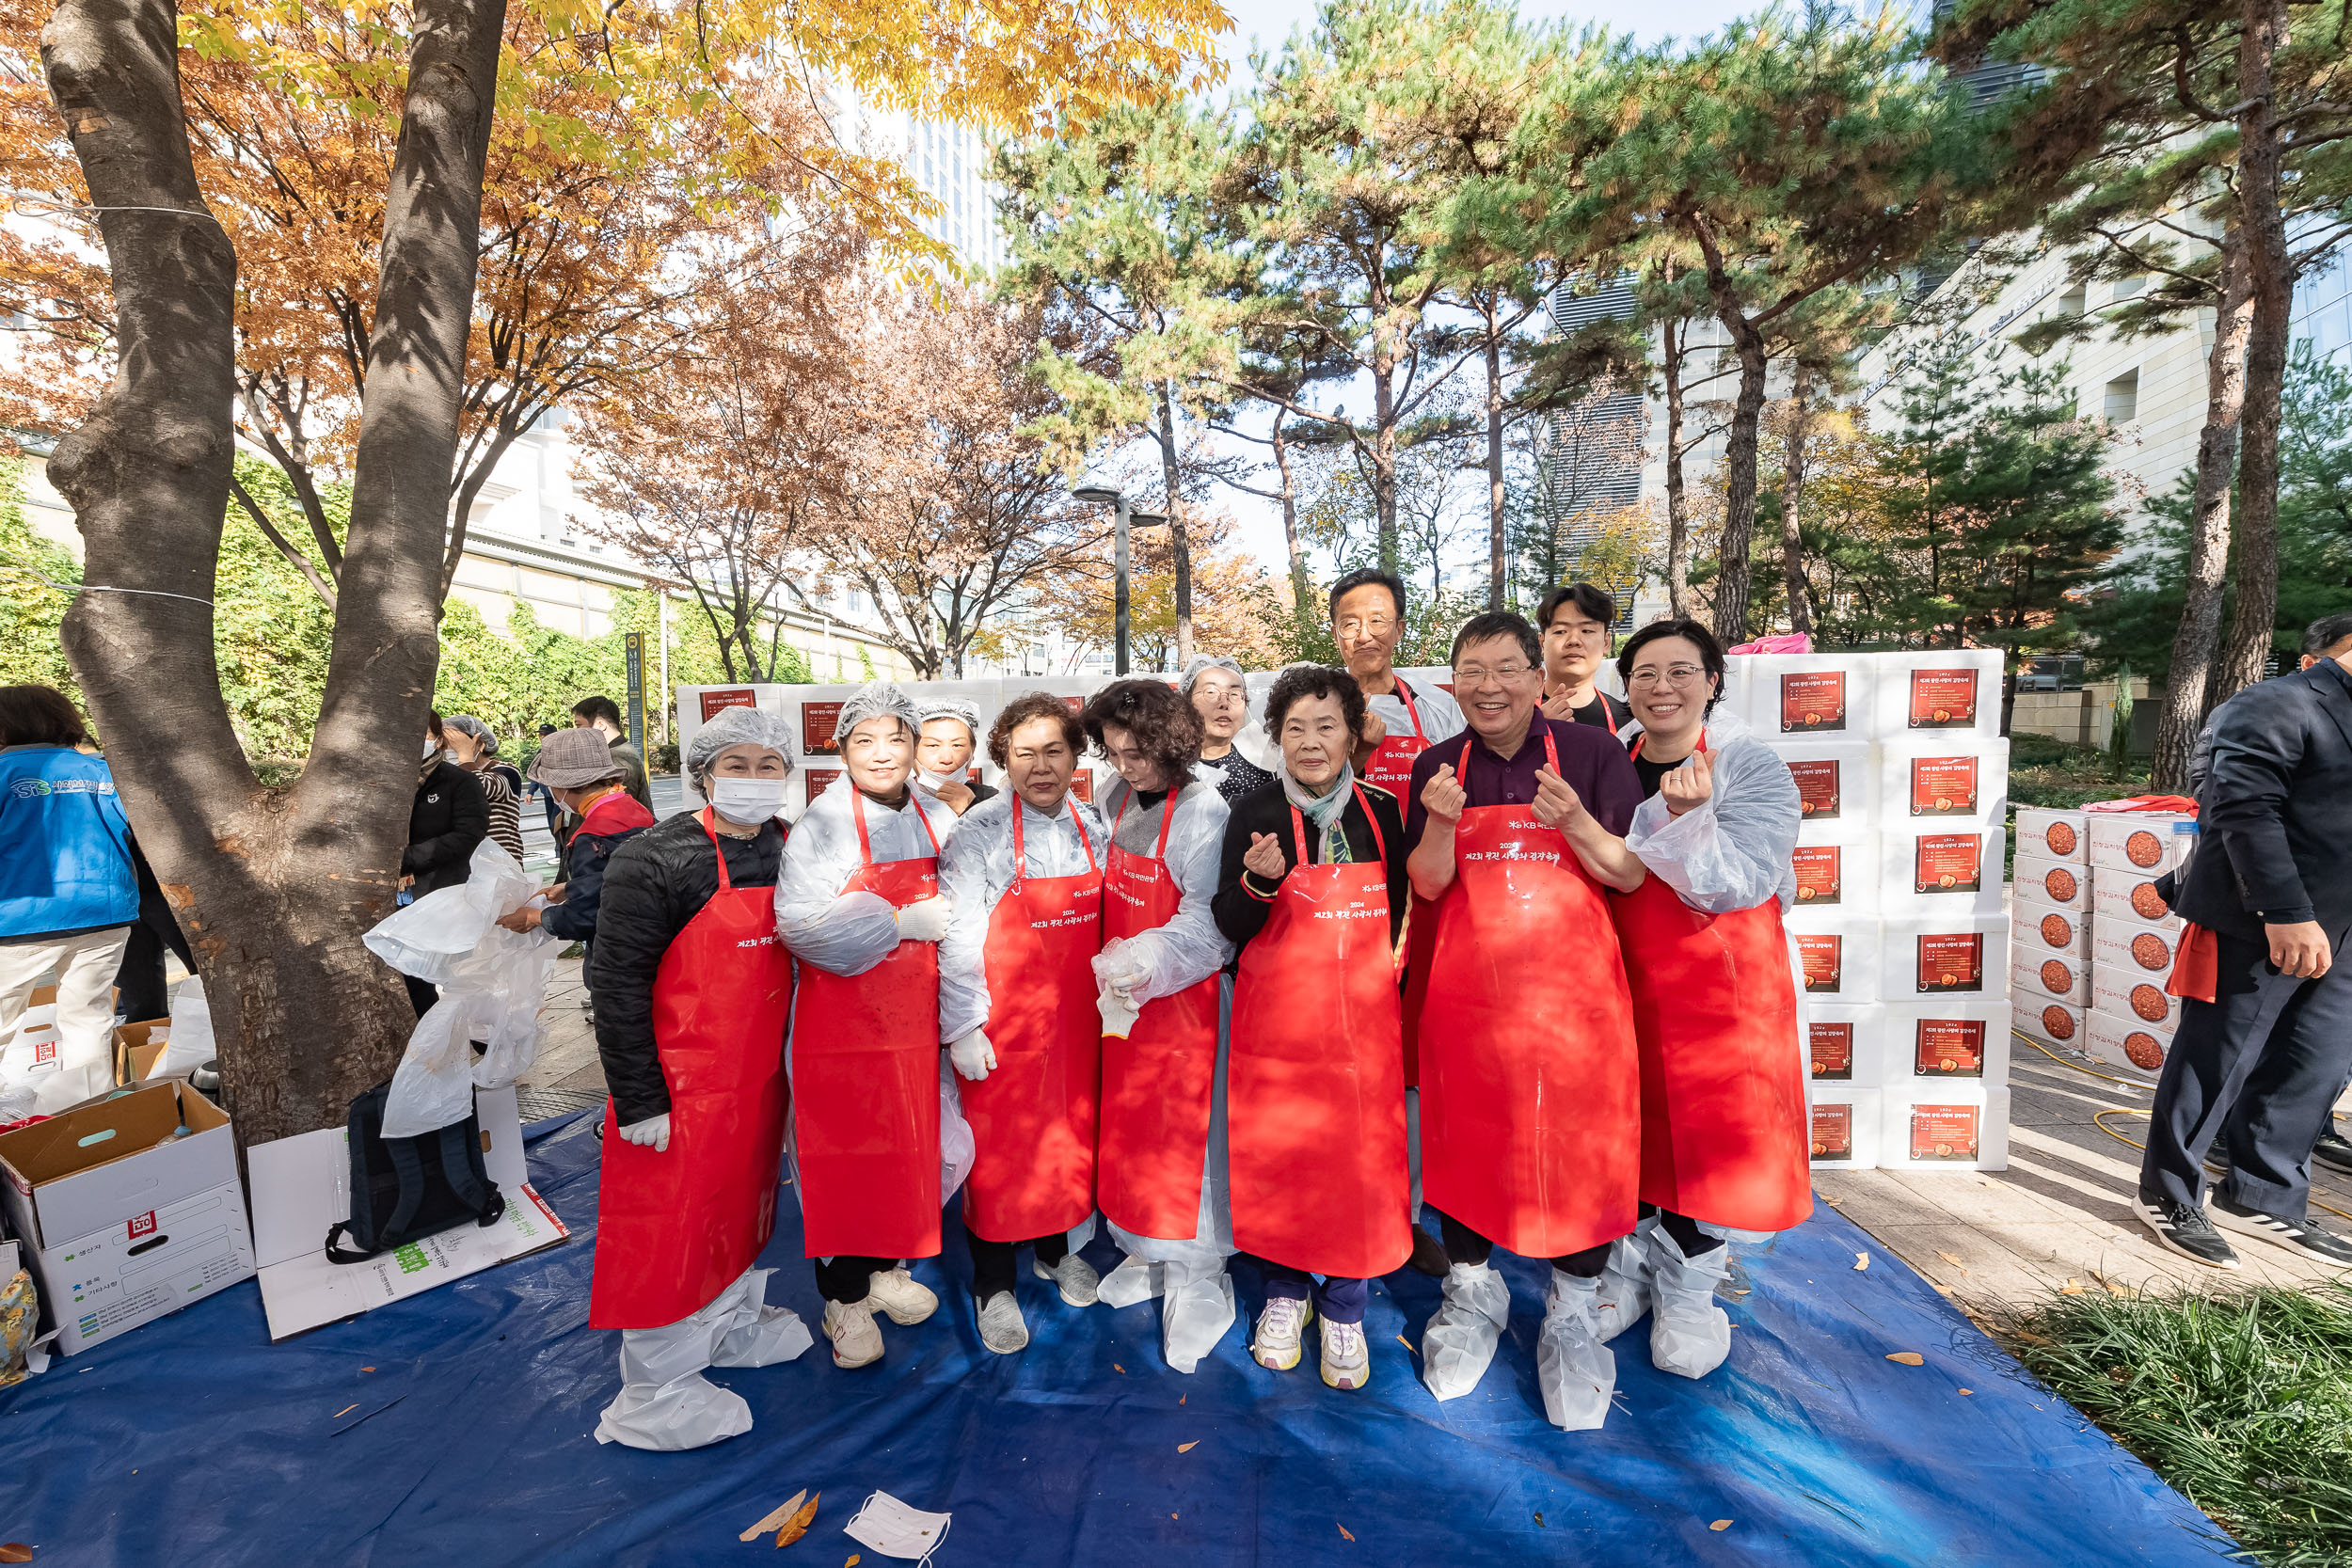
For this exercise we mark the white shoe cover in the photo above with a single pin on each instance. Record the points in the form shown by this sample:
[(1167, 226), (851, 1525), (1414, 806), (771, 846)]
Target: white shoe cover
[(1133, 1281), (1459, 1344), (1689, 1334), (666, 1403), (760, 1336), (1625, 1289), (1195, 1313), (1575, 1370)]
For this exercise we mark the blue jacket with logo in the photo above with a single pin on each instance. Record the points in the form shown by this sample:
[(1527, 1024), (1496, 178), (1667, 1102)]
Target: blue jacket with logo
[(65, 846)]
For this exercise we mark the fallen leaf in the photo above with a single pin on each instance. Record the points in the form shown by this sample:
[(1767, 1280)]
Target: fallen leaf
[(1406, 1343), (1967, 1390), (1719, 1524), (1344, 1530), (1953, 1261), (791, 1506), (853, 1562), (15, 1551), (1180, 1399), (1908, 1357), (1119, 1370), (367, 1368), (2071, 1288), (1188, 1448), (344, 1411), (1861, 1262), (1171, 1516), (797, 1525), (1539, 1520)]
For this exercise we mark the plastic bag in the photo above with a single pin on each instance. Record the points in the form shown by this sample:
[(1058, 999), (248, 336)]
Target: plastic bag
[(957, 1148), (189, 1044), (430, 938), (1785, 642)]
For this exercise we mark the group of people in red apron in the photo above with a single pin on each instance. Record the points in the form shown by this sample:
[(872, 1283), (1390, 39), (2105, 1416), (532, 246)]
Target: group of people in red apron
[(1533, 965)]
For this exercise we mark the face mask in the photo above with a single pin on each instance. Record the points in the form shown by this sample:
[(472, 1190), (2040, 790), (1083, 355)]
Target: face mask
[(746, 802), (932, 781), (887, 1525), (431, 746)]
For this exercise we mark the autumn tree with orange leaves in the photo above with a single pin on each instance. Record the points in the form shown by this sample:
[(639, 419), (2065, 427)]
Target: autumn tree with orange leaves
[(276, 885)]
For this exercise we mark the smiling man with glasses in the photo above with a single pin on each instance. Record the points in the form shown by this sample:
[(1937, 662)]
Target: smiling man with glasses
[(1401, 721)]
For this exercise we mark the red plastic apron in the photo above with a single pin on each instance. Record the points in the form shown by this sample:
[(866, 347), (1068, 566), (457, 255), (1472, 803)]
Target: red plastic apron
[(1392, 769), (1156, 1082), (676, 1227), (1033, 1117), (1315, 1082), (1724, 1120), (1391, 764), (866, 1082), (1530, 1103)]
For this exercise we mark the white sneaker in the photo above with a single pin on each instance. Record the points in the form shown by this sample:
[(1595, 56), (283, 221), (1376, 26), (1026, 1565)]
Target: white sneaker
[(1280, 1326), (1002, 1329), (1346, 1359), (896, 1294), (856, 1338), (1073, 1276)]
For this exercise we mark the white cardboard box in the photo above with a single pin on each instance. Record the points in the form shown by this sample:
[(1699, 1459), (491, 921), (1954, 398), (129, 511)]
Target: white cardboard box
[(1846, 1046), (1953, 955), (2139, 842), (2129, 1043), (1797, 695), (1840, 961), (2050, 834), (1846, 1122), (2128, 945), (2047, 1019), (1939, 870), (1955, 693), (2130, 898), (1835, 882), (2132, 992), (302, 1189), (2052, 977), (1952, 1040), (1837, 786), (1944, 1127), (2061, 884), (2039, 930), (127, 1218), (1931, 780)]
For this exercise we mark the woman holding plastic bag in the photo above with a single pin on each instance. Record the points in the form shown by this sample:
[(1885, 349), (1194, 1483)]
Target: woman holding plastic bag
[(1024, 871), (1723, 1128), (693, 992), (1161, 1177), (859, 906)]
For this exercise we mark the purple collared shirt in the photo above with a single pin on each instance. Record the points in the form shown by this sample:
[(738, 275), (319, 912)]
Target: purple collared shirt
[(1592, 760)]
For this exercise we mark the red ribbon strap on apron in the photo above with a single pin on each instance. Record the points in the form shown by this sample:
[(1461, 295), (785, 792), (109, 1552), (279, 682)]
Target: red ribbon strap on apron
[(721, 998), (1157, 1083), (866, 1082), (1391, 763), (1314, 1084), (1530, 1109), (1724, 1122), (1033, 1116)]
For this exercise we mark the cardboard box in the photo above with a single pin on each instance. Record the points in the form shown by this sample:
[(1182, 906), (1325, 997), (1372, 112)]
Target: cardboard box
[(1944, 1127), (2052, 977), (2132, 992), (1939, 870), (31, 1053), (2124, 946), (2050, 834), (1955, 955), (1837, 786), (1846, 1124), (2039, 930), (302, 1189), (1961, 783), (2139, 843), (2053, 1021), (138, 1049), (1953, 1039), (129, 1209), (2130, 898), (2061, 884), (2131, 1044)]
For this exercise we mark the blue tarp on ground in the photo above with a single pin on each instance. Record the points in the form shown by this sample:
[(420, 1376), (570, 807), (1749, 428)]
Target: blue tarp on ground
[(194, 1441)]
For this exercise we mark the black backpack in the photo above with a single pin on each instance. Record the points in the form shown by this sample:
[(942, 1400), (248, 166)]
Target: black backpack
[(405, 1189)]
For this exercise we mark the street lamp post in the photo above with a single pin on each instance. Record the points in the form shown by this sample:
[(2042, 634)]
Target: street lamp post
[(1124, 514)]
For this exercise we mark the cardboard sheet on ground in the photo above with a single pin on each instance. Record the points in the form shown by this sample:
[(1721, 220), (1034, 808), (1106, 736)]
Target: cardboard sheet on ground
[(302, 1188), (454, 1427)]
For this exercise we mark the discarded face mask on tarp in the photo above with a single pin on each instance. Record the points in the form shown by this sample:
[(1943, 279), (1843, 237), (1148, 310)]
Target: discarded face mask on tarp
[(885, 1525), (493, 982)]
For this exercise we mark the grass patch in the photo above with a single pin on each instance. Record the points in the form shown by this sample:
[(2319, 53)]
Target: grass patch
[(2047, 773), (2241, 1401)]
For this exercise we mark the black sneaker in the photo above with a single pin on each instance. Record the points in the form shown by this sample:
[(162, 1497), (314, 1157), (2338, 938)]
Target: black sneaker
[(2299, 1233), (2334, 1150), (2185, 1230), (1429, 1255)]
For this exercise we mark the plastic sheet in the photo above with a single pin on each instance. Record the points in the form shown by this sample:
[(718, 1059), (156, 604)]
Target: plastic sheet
[(469, 1441)]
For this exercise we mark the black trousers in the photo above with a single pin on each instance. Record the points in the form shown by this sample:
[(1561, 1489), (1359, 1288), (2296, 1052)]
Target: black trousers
[(1464, 1245), (2264, 1061), (848, 1279), (997, 1265)]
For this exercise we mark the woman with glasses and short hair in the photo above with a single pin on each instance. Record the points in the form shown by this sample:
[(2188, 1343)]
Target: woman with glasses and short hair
[(1723, 1131)]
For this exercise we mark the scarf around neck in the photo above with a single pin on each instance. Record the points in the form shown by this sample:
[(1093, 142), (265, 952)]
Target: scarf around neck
[(1325, 810)]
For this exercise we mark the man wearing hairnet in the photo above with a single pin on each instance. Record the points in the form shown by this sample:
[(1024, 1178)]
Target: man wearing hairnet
[(693, 995), (859, 905), (948, 731)]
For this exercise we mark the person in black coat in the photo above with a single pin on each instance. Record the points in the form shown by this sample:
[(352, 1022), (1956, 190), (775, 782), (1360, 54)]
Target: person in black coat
[(2264, 1040), (449, 818)]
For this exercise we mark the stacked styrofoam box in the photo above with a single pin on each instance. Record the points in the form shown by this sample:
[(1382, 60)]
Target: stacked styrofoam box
[(1898, 923), (2050, 923), (2133, 935)]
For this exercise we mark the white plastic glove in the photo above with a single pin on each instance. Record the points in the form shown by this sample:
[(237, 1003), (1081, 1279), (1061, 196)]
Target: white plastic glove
[(926, 920), (653, 1131), (973, 1054)]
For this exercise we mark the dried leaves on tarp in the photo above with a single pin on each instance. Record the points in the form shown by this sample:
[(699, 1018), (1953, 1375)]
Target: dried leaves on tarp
[(797, 1525), (791, 1506), (1908, 1357)]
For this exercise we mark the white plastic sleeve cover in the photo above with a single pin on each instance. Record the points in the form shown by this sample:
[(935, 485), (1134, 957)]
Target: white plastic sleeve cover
[(848, 933), (1735, 851), (1189, 948), (976, 872)]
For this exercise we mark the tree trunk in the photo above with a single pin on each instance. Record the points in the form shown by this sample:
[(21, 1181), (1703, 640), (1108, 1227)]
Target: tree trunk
[(1179, 544), (1732, 564), (1497, 557), (1791, 500), (1302, 588), (1677, 512), (2196, 639), (2255, 616), (1384, 466), (275, 887)]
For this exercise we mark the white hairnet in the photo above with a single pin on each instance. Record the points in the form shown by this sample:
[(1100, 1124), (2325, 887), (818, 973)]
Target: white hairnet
[(871, 701), (737, 727), (947, 707), (1206, 662)]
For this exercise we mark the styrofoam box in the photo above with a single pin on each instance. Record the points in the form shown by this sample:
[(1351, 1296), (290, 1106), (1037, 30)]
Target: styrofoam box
[(2050, 834), (2124, 946), (1838, 782), (2139, 842), (1955, 693), (1943, 1127), (2130, 1043), (2062, 884), (1840, 960), (1938, 870), (2039, 930), (1835, 882), (1923, 783), (1957, 955), (1846, 1126), (2132, 992), (2130, 898), (1955, 1041), (2047, 1019), (2052, 977), (1846, 1045), (1811, 694)]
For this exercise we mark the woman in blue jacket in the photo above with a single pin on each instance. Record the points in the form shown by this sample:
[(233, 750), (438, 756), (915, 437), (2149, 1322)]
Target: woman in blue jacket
[(68, 899)]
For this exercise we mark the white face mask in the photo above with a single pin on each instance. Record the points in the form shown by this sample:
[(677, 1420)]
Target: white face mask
[(745, 801), (431, 746), (887, 1525)]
